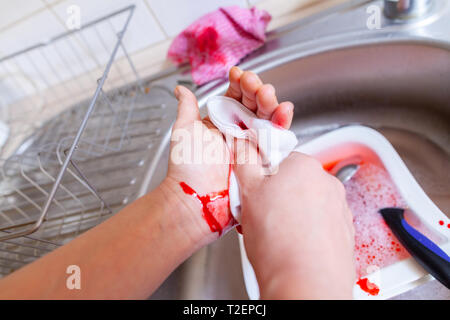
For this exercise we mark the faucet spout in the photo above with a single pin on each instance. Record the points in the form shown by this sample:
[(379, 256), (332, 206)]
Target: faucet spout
[(407, 9)]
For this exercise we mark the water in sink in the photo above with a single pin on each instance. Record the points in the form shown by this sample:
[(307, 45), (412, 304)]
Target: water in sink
[(369, 190)]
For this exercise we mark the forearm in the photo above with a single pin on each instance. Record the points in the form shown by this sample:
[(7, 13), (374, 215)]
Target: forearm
[(128, 256)]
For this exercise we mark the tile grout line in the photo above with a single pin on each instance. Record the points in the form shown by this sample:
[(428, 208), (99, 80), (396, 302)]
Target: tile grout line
[(42, 9), (22, 19), (147, 5), (52, 11)]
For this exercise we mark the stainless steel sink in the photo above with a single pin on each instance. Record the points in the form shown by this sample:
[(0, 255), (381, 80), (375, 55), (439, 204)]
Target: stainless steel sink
[(338, 72)]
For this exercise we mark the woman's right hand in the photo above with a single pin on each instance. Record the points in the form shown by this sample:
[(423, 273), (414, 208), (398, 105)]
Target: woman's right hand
[(298, 230)]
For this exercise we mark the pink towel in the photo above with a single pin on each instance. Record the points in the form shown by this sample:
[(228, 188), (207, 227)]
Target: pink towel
[(218, 40)]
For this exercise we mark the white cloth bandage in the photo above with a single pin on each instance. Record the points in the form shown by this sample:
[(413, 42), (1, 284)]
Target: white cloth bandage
[(234, 119)]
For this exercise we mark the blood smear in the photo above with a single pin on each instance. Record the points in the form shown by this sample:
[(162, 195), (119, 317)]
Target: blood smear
[(239, 122), (215, 207), (368, 191), (368, 286)]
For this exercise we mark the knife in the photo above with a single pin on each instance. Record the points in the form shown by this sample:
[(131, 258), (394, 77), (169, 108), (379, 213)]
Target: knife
[(428, 254)]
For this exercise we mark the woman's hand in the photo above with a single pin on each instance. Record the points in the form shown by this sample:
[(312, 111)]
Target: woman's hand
[(298, 230), (199, 164)]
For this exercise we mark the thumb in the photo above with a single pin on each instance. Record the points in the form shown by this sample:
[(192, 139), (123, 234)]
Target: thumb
[(187, 107)]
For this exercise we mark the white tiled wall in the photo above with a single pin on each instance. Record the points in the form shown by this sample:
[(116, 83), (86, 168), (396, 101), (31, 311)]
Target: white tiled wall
[(34, 28), (143, 31), (25, 21), (9, 13), (155, 23), (175, 20)]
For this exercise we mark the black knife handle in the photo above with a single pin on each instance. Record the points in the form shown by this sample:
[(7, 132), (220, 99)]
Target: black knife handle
[(423, 250)]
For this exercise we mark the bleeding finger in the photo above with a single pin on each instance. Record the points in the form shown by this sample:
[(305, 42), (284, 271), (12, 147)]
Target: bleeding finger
[(283, 115)]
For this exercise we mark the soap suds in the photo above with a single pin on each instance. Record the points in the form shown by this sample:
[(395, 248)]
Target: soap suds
[(368, 191)]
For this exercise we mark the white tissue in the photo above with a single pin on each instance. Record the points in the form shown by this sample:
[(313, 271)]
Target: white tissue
[(274, 143)]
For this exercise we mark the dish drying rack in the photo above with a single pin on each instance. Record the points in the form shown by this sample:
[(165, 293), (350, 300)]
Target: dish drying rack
[(86, 160)]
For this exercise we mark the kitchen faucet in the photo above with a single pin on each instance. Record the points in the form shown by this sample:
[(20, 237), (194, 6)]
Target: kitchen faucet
[(407, 9)]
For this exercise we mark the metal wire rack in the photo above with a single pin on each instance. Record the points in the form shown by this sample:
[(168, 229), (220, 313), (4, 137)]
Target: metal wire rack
[(64, 175)]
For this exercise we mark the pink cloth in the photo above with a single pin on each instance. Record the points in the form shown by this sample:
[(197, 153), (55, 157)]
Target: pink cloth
[(218, 40)]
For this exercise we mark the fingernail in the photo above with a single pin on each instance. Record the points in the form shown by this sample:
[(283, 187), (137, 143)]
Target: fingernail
[(234, 69), (271, 89), (254, 77), (176, 92), (291, 106)]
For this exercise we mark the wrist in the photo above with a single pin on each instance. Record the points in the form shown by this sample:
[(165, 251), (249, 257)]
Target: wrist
[(185, 212)]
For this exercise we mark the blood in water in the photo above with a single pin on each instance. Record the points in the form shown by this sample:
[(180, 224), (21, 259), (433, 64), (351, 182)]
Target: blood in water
[(369, 190)]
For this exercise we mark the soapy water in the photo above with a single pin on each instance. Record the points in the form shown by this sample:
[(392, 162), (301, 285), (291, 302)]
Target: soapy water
[(369, 190)]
